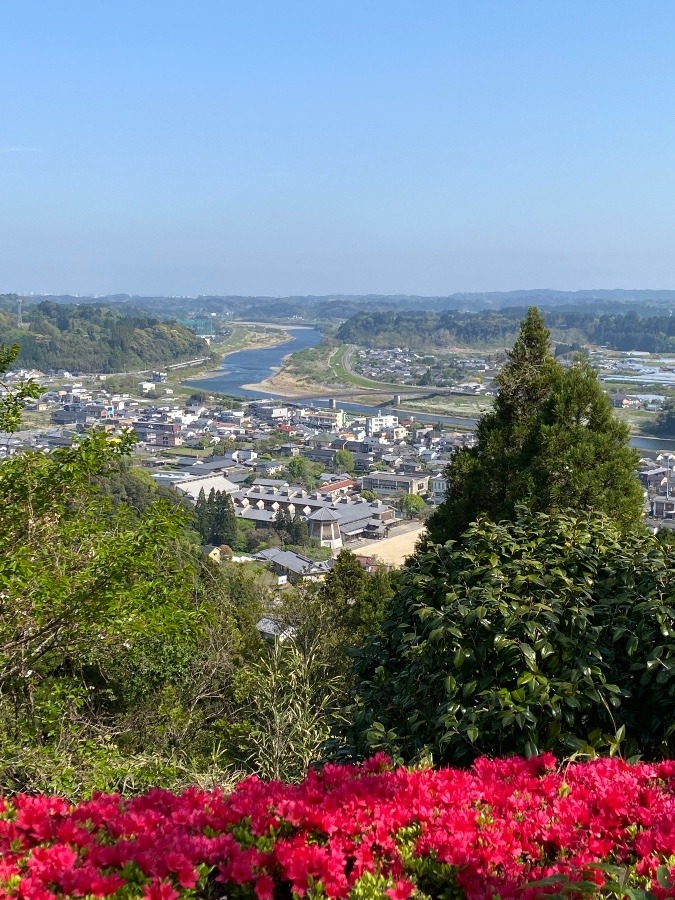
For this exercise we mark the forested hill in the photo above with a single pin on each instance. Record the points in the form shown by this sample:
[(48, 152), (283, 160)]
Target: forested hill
[(94, 339), (424, 329), (414, 328)]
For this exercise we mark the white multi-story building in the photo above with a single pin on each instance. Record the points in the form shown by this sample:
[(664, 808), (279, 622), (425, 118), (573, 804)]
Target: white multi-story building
[(378, 423)]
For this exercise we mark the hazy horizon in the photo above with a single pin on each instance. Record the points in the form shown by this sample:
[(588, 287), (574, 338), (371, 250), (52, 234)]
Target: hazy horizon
[(355, 148)]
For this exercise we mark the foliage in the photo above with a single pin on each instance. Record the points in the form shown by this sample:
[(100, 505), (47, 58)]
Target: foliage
[(302, 471), (71, 566), (14, 399), (292, 529), (96, 339), (115, 635), (344, 461), (309, 676), (215, 519), (664, 425), (289, 708), (132, 487), (507, 828), (412, 505), (551, 442), (550, 633), (140, 712), (330, 617), (655, 334), (421, 329)]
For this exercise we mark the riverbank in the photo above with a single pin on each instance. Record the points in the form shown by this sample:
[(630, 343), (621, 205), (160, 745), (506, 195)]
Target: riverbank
[(249, 372), (243, 337), (308, 372), (260, 372), (288, 386)]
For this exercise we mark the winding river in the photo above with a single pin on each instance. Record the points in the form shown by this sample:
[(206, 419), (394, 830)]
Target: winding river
[(252, 366)]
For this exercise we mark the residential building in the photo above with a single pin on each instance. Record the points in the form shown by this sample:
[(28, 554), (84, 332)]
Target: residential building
[(294, 565), (387, 483), (378, 423), (322, 418), (663, 507), (212, 552), (438, 485)]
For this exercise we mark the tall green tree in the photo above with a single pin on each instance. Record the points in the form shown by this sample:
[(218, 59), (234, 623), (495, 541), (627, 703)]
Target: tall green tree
[(551, 442), (224, 524), (302, 470), (202, 517), (344, 461), (412, 505)]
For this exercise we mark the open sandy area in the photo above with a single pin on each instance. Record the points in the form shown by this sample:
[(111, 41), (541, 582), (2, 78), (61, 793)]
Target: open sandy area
[(392, 550), (287, 386)]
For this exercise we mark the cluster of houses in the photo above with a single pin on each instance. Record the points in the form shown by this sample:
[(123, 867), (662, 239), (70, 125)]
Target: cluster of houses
[(404, 366), (657, 476), (390, 456), (254, 444), (651, 402)]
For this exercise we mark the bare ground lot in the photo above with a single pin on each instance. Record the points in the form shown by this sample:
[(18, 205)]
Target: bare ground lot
[(392, 550)]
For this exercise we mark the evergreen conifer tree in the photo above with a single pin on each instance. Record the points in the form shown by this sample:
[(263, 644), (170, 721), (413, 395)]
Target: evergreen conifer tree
[(224, 524), (202, 522), (551, 443), (211, 514), (299, 531)]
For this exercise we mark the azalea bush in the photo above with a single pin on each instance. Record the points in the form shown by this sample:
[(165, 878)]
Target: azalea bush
[(507, 828)]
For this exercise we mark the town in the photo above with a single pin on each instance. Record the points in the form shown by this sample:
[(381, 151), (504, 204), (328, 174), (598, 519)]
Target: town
[(364, 482)]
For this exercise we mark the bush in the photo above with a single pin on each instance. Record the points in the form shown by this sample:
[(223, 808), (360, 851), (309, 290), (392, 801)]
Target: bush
[(552, 632), (601, 829)]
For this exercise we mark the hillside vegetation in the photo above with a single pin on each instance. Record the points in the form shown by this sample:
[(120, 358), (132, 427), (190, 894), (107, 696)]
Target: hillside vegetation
[(95, 339), (419, 329), (535, 617)]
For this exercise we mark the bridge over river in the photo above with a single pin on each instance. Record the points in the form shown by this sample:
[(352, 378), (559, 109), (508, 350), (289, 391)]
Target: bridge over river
[(254, 366)]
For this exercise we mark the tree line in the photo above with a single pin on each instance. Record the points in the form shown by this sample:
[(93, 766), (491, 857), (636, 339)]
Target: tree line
[(96, 339), (422, 329)]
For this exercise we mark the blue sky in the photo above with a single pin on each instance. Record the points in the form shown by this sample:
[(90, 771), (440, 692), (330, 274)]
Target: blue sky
[(336, 147)]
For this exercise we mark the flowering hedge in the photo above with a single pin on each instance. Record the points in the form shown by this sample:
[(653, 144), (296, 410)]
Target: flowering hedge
[(497, 830)]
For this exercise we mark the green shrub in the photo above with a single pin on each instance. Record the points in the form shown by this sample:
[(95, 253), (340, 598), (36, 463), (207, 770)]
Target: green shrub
[(552, 632)]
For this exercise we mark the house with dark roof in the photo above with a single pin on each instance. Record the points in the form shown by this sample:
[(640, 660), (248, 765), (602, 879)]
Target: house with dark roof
[(294, 565)]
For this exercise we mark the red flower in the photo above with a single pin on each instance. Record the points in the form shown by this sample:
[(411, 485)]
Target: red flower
[(401, 891), (264, 887)]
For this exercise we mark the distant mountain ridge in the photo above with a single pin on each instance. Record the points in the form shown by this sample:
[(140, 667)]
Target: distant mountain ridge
[(491, 297), (335, 308)]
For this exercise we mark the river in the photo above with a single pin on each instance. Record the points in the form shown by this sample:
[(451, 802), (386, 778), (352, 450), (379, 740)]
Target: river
[(253, 366)]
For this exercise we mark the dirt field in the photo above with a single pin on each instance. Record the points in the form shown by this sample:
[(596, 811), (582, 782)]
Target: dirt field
[(393, 550)]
